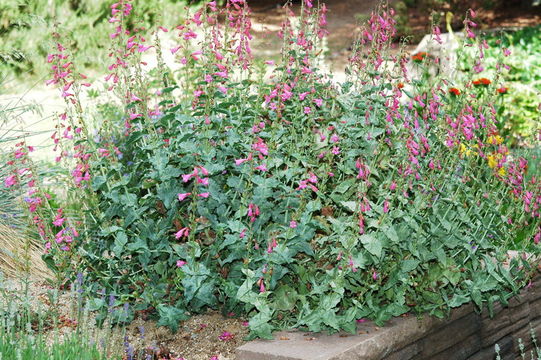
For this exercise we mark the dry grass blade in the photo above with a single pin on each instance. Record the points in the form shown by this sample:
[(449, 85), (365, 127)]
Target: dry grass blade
[(21, 255)]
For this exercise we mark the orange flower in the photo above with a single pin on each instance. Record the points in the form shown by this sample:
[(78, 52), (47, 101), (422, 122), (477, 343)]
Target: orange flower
[(400, 85), (420, 56), (454, 91), (502, 90), (482, 81)]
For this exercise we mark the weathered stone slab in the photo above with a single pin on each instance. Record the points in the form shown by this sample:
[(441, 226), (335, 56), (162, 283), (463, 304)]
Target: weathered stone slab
[(371, 342), (464, 335)]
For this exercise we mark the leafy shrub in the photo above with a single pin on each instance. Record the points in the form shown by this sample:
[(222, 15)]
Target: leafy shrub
[(288, 197)]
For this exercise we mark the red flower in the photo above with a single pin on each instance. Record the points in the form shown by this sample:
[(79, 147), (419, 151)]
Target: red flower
[(482, 81), (454, 91), (420, 56), (502, 90)]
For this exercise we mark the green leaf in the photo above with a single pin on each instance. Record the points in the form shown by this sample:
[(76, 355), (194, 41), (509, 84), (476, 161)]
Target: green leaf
[(372, 244), (350, 205), (121, 239), (170, 317)]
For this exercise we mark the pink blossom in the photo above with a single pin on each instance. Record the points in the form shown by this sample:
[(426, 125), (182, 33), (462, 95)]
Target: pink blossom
[(307, 110), (10, 181), (203, 181), (386, 206), (226, 336), (187, 177), (183, 196), (184, 232), (261, 286), (181, 263), (204, 195), (261, 167), (293, 224), (318, 102)]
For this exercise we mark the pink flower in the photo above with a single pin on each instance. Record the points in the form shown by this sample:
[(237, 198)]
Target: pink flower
[(386, 206), (392, 187), (307, 110), (184, 232), (318, 102), (10, 181), (293, 224), (335, 138), (336, 150), (135, 116), (204, 171), (204, 195), (203, 181), (226, 336), (183, 196), (269, 62), (261, 147), (261, 286), (375, 276), (261, 167), (181, 263), (186, 177)]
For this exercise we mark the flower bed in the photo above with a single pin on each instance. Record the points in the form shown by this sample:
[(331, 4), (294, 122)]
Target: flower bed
[(268, 190)]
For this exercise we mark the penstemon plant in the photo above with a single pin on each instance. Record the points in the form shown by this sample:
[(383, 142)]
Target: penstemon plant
[(297, 201)]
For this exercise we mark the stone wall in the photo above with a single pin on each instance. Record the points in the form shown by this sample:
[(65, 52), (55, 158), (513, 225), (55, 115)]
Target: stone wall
[(466, 334)]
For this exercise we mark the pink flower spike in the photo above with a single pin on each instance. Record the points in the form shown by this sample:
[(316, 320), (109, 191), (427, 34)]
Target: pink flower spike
[(204, 195), (181, 263), (183, 196)]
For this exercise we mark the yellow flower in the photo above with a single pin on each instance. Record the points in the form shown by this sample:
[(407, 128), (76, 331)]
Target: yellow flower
[(492, 160), (464, 150), (501, 171), (495, 139)]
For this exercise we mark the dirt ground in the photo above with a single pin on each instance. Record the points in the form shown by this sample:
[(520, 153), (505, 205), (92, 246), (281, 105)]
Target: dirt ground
[(199, 338)]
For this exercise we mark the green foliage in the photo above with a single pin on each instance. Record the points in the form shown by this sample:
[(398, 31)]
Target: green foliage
[(520, 110), (297, 201)]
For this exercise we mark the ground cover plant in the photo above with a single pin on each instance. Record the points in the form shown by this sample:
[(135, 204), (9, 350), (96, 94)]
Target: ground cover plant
[(268, 190)]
